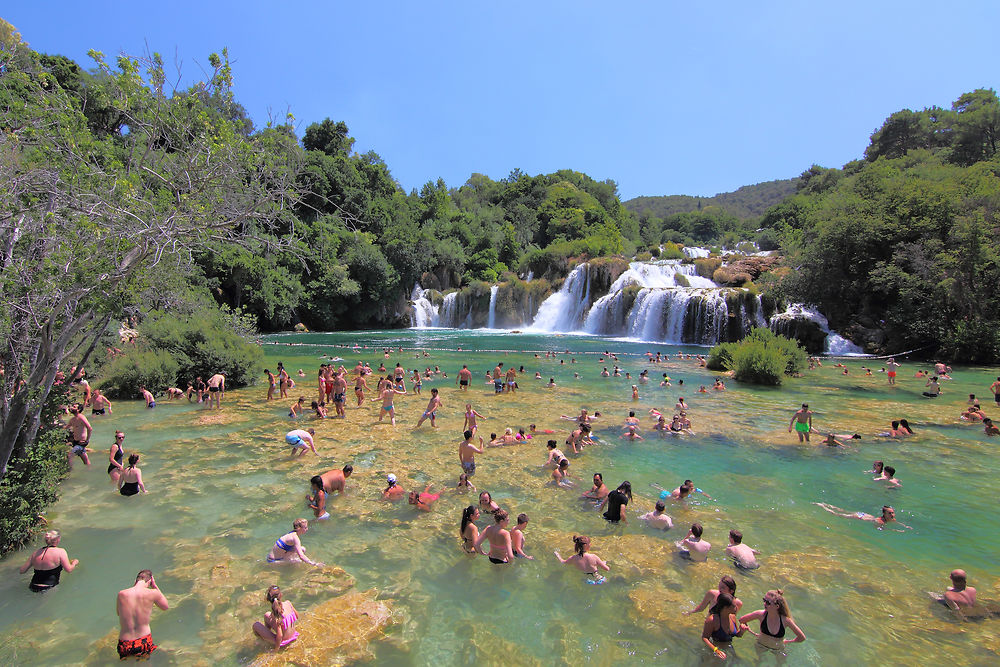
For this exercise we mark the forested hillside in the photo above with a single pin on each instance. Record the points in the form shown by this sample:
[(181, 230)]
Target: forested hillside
[(749, 201)]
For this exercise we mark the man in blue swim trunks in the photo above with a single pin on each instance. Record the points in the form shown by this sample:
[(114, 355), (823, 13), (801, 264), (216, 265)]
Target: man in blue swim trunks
[(301, 440), (498, 378), (387, 395), (802, 421), (467, 453), (431, 411)]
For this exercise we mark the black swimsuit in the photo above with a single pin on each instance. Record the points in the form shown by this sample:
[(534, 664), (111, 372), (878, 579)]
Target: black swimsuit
[(43, 580), (119, 455), (781, 628)]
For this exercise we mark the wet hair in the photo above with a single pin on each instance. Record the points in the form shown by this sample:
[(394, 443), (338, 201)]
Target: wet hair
[(778, 599), (347, 469), (626, 488), (660, 506), (696, 529), (132, 460), (273, 595), (580, 543), (889, 470), (489, 498), (144, 575), (599, 476), (586, 427), (522, 518), (51, 537), (958, 578), (563, 464), (500, 515), (468, 435), (736, 536), (895, 425), (299, 522), (729, 583), (434, 390), (551, 444), (886, 507), (302, 399), (686, 488), (905, 424), (878, 466), (317, 481), (724, 601), (631, 413)]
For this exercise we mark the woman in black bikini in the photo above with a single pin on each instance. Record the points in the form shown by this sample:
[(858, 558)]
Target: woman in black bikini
[(115, 456), (469, 530), (48, 563), (774, 618), (130, 482)]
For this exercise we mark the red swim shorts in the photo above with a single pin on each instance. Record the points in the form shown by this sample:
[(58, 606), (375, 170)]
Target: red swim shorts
[(140, 647)]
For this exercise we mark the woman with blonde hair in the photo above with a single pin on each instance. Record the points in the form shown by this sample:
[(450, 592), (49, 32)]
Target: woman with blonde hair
[(288, 547), (774, 618), (48, 563), (279, 623)]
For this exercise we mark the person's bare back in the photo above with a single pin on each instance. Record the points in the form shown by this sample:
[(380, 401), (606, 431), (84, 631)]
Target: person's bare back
[(135, 606)]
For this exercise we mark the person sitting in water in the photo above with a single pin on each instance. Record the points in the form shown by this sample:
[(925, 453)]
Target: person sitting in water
[(487, 504), (48, 563), (888, 515), (743, 556), (424, 500), (599, 490), (317, 501), (726, 585), (585, 561), (288, 547), (464, 484), (692, 547), (933, 388), (393, 491), (630, 433), (721, 625), (658, 517), (889, 476), (877, 468), (973, 414), (904, 428), (319, 410), (774, 619), (959, 595), (130, 481), (988, 427), (278, 627), (561, 476)]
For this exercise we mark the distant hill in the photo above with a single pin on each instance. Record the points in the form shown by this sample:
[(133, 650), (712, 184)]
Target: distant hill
[(750, 201)]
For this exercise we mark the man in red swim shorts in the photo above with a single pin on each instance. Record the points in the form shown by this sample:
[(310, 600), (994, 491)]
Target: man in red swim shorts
[(892, 366), (135, 606)]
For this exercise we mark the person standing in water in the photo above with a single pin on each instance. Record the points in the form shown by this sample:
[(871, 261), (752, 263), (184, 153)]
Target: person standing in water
[(134, 607), (585, 561), (517, 537), (216, 389), (130, 481), (802, 421), (387, 395), (467, 453), (501, 551), (116, 455), (49, 562), (432, 407), (774, 619), (80, 431), (892, 366)]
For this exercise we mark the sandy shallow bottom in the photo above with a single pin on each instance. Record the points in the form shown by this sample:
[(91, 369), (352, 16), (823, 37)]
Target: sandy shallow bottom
[(396, 587)]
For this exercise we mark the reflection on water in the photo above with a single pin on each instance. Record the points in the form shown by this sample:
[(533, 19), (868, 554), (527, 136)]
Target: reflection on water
[(396, 585)]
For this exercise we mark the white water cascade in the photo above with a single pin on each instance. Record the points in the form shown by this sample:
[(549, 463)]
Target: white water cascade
[(491, 322), (835, 345), (564, 310), (425, 313)]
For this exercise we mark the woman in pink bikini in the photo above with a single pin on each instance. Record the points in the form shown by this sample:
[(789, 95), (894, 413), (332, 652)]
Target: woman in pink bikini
[(278, 627)]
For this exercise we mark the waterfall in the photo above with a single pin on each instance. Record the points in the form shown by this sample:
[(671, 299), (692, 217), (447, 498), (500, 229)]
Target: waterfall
[(835, 343), (564, 310), (491, 323), (694, 253), (425, 313), (449, 316)]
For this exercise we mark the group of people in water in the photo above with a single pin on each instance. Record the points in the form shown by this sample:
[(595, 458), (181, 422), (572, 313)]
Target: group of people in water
[(501, 543)]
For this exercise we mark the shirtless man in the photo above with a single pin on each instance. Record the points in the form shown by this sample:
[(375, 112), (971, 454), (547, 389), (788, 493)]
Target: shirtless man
[(511, 380), (148, 397), (217, 388), (135, 606), (658, 517), (386, 395), (467, 453), (889, 477), (300, 440), (431, 411), (959, 594), (517, 537), (498, 378), (995, 388), (99, 403), (79, 434), (802, 420), (892, 366), (339, 385), (693, 547), (464, 376), (743, 556), (336, 480)]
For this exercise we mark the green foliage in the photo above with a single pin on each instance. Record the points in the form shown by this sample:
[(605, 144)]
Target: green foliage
[(761, 358), (154, 369), (671, 251), (748, 202)]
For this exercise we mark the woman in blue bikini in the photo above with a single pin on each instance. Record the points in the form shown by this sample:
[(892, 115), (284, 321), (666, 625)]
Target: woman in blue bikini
[(288, 547)]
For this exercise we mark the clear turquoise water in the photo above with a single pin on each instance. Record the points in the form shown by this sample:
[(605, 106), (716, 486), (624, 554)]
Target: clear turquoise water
[(220, 493)]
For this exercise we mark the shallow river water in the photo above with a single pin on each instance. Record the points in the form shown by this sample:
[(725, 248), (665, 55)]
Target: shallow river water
[(222, 487)]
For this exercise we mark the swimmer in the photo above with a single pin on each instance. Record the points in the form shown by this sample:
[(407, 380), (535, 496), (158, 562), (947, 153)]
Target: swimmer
[(682, 491), (635, 393), (317, 501), (631, 434), (680, 406), (498, 536), (719, 385), (486, 504), (692, 547), (517, 537), (464, 484), (555, 455), (802, 422), (721, 625), (831, 441), (296, 408), (561, 476), (469, 531), (552, 383), (959, 595), (616, 502), (392, 491), (431, 410), (888, 515), (288, 548), (278, 627), (889, 477), (467, 453), (743, 556), (535, 431), (989, 429), (585, 561), (774, 618), (471, 419), (658, 517), (904, 428), (727, 585), (301, 440), (48, 563), (599, 491), (424, 500)]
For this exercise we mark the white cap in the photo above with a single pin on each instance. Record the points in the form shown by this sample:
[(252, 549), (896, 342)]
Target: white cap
[(390, 478)]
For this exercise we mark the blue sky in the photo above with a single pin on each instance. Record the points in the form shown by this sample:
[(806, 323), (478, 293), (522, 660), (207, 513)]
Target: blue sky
[(663, 97)]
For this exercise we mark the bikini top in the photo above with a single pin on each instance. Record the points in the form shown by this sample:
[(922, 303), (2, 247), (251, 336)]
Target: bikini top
[(781, 628), (281, 545)]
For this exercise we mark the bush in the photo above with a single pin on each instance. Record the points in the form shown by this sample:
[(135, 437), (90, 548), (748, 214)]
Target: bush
[(706, 266), (761, 358), (154, 369), (681, 280), (671, 251)]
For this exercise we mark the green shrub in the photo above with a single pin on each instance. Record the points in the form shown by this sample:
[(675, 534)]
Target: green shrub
[(30, 486), (706, 266), (671, 251), (761, 358), (681, 280), (154, 369), (654, 251)]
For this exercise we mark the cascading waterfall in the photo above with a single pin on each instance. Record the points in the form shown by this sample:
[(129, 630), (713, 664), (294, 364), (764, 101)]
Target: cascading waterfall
[(564, 310), (835, 343), (491, 322), (425, 313)]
